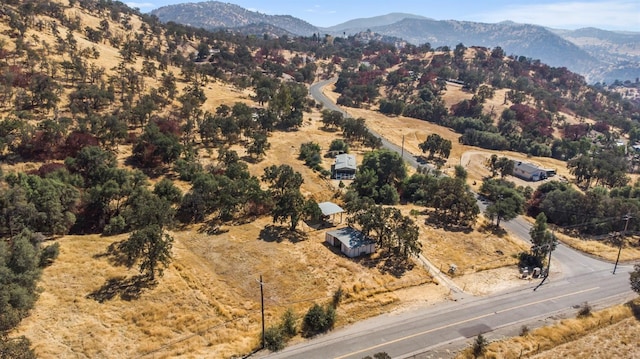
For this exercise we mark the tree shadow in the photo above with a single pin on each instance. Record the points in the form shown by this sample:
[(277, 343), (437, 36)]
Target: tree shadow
[(127, 288), (635, 308), (278, 234), (433, 220), (252, 160), (386, 262), (114, 255), (491, 228), (212, 228)]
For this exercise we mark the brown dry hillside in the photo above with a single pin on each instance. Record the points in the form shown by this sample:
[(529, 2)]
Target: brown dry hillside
[(207, 302)]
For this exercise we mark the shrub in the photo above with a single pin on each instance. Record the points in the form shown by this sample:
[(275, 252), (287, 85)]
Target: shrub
[(49, 254), (585, 310), (339, 145), (318, 319), (289, 327), (337, 297), (479, 346), (274, 339)]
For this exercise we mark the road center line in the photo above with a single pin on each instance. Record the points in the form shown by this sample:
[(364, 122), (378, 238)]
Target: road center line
[(463, 321)]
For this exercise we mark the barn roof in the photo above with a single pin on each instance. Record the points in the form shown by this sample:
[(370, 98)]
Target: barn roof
[(329, 208), (350, 237), (527, 167)]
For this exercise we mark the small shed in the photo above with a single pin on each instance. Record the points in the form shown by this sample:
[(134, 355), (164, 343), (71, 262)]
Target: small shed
[(351, 242), (528, 171), (330, 209)]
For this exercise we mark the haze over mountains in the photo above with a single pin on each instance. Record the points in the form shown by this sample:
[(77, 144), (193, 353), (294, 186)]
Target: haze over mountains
[(599, 55)]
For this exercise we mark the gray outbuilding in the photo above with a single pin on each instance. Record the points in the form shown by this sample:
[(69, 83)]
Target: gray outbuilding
[(351, 242)]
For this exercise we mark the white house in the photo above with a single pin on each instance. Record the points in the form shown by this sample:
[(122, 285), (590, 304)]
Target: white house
[(344, 167), (351, 241)]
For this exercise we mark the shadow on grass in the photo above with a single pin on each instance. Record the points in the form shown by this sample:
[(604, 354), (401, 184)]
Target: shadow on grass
[(433, 220), (491, 228), (278, 234), (386, 263), (212, 228), (127, 288), (115, 255), (635, 308)]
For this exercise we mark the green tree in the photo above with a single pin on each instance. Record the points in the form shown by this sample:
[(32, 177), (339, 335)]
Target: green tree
[(332, 119), (507, 204), (259, 145), (479, 346), (310, 153), (284, 185), (634, 278), (149, 246), (16, 348), (339, 145), (541, 237), (453, 202)]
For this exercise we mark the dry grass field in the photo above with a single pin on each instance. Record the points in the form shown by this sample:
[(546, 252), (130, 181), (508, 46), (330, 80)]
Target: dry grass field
[(208, 299), (608, 333)]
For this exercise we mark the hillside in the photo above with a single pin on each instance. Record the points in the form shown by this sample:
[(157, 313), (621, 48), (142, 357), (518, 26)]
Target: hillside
[(151, 174), (229, 16), (357, 25), (598, 55)]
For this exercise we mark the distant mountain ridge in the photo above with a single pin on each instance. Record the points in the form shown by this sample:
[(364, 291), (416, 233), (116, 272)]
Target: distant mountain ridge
[(213, 15), (357, 25), (520, 39), (599, 55)]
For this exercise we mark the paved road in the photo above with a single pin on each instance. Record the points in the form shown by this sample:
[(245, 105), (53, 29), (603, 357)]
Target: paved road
[(453, 325), (433, 330), (316, 92)]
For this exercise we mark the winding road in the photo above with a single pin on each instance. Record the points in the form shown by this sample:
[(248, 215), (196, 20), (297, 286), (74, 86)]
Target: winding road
[(440, 329)]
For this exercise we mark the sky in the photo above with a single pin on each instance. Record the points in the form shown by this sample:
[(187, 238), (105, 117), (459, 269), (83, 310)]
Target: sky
[(617, 15)]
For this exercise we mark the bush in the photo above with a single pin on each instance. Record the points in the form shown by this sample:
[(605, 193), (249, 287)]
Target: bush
[(16, 348), (318, 319), (289, 327), (116, 225), (49, 254), (337, 297), (310, 153), (339, 145), (274, 339), (585, 310), (479, 346)]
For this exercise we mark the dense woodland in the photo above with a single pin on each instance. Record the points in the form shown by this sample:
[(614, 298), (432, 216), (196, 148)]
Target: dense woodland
[(60, 108)]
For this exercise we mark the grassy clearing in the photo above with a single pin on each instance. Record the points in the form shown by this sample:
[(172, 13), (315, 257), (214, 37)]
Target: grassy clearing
[(630, 250), (609, 333)]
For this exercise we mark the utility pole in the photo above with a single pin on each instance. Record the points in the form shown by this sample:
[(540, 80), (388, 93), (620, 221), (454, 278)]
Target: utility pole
[(626, 218), (262, 310), (550, 246), (402, 151)]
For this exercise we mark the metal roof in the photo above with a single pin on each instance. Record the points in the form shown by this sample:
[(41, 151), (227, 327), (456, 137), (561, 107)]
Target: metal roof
[(329, 208), (345, 161), (527, 167), (350, 237)]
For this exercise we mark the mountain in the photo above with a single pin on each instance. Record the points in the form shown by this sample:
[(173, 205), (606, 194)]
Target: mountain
[(596, 54), (213, 15), (618, 51), (357, 25), (523, 40)]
